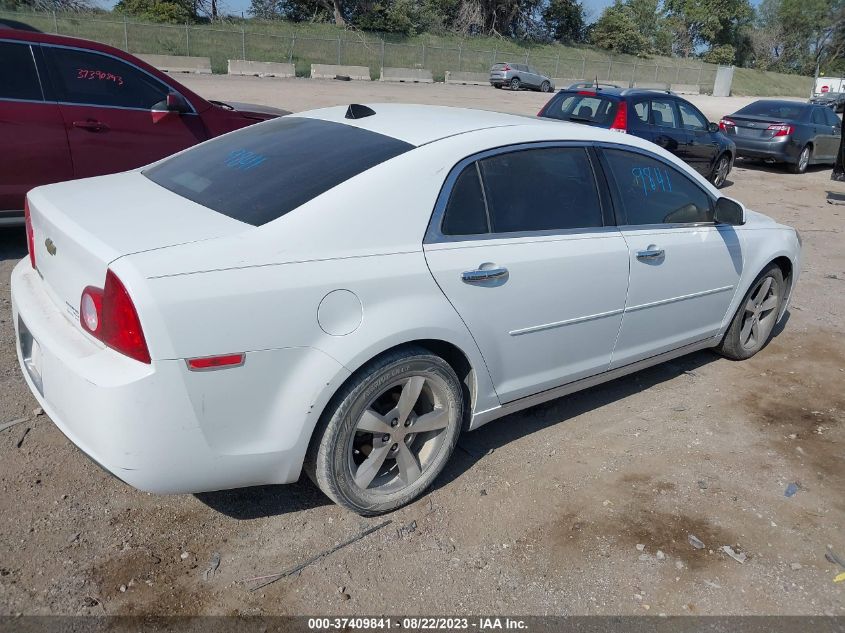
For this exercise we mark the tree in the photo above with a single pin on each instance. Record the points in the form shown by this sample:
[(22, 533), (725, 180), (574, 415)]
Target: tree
[(705, 22), (616, 30), (176, 11), (564, 20)]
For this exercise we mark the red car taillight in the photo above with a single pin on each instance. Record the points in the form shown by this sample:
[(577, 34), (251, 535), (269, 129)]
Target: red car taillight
[(725, 123), (109, 315), (30, 234), (506, 68), (781, 129), (620, 121)]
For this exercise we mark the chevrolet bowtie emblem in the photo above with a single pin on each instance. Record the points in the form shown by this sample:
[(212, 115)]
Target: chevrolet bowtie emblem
[(51, 248)]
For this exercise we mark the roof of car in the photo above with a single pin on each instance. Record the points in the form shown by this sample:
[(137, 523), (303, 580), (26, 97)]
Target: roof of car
[(615, 91), (421, 124)]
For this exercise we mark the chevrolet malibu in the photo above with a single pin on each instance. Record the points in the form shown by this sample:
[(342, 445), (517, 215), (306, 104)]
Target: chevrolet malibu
[(346, 290)]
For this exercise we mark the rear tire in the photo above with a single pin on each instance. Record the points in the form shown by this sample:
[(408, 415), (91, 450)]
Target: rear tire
[(803, 160), (388, 433), (752, 325), (515, 83)]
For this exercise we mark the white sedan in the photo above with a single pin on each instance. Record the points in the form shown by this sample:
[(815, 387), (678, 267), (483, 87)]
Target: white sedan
[(346, 290)]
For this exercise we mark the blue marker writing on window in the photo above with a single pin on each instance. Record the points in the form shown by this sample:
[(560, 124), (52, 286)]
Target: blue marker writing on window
[(652, 179), (243, 159)]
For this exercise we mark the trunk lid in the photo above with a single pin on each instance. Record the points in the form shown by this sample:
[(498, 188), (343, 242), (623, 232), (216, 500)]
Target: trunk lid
[(82, 226), (756, 126)]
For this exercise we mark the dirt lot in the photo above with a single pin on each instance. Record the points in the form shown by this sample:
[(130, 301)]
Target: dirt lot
[(539, 513)]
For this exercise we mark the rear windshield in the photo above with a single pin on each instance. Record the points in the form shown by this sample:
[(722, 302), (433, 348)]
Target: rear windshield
[(262, 172), (774, 109), (582, 107)]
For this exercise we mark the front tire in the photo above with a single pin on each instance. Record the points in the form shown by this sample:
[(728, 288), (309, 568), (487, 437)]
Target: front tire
[(803, 160), (720, 171), (545, 86), (389, 432), (752, 325)]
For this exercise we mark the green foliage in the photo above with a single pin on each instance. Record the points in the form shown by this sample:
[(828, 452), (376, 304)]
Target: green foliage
[(722, 54), (617, 30), (174, 11), (564, 20), (706, 22)]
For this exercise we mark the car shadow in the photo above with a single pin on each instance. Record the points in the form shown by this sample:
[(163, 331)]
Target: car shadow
[(259, 502), (12, 243), (777, 168)]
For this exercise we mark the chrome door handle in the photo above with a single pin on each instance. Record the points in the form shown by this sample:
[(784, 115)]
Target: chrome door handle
[(475, 276), (655, 253)]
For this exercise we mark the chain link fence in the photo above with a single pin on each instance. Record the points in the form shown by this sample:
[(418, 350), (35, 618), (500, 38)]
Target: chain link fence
[(232, 41)]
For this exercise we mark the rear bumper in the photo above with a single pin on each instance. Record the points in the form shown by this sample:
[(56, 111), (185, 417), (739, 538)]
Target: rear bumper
[(786, 150), (160, 427)]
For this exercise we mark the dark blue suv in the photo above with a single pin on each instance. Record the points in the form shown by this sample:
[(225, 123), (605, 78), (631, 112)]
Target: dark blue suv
[(658, 116)]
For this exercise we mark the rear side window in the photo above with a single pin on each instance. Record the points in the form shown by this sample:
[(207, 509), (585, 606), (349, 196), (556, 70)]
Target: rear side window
[(663, 113), (88, 78), (818, 117), (264, 171), (582, 108), (18, 77), (541, 190), (641, 110), (651, 192), (466, 213)]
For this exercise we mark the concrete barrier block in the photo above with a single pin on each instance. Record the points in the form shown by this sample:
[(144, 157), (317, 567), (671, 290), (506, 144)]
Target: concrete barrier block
[(179, 63), (686, 89), (261, 69), (407, 75), (467, 79), (330, 71), (651, 85)]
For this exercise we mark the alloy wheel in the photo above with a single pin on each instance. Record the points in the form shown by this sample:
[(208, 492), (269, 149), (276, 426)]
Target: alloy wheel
[(721, 172), (399, 434), (760, 314), (804, 159)]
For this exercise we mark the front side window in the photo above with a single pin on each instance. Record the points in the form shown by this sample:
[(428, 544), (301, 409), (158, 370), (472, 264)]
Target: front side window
[(832, 119), (652, 192), (541, 190), (88, 78), (18, 76), (691, 119), (663, 113), (264, 171)]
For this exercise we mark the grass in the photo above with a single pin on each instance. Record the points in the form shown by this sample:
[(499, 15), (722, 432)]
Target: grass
[(304, 44)]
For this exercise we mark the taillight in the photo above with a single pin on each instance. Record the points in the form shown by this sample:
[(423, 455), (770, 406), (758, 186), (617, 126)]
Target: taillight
[(725, 123), (781, 129), (30, 233), (110, 316), (620, 121), (506, 67)]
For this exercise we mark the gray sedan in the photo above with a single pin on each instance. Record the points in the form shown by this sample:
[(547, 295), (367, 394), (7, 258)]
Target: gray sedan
[(518, 76), (798, 134)]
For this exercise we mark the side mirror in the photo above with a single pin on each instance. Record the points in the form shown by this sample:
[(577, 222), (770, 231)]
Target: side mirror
[(177, 103), (729, 212), (713, 127)]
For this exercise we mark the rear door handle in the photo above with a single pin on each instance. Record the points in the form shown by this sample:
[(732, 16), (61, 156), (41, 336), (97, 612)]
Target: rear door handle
[(651, 253), (478, 275), (91, 125)]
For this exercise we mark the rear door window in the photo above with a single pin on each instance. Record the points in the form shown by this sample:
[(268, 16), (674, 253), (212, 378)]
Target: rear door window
[(818, 117), (663, 113), (541, 190), (89, 78), (262, 172), (18, 76), (652, 192), (466, 212)]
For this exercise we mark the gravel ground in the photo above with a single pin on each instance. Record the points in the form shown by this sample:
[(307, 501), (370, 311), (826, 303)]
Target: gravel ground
[(580, 506)]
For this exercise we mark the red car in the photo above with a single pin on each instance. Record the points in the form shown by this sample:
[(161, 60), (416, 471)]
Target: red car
[(72, 108)]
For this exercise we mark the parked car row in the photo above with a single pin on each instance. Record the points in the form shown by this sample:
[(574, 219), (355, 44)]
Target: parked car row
[(72, 108)]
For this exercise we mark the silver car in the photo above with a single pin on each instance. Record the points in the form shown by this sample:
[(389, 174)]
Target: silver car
[(518, 76)]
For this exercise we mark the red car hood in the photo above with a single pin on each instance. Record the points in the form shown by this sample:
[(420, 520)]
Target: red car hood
[(251, 109)]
